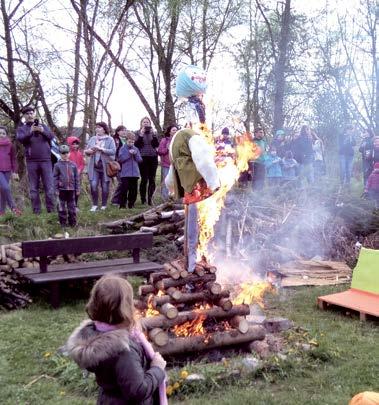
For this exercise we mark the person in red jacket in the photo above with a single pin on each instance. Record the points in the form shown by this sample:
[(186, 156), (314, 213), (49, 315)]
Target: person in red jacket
[(76, 156), (372, 185), (8, 165)]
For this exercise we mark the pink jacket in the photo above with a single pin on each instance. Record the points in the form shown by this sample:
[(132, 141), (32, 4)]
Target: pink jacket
[(163, 151), (8, 161), (76, 156)]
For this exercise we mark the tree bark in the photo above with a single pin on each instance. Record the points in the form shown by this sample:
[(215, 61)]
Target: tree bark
[(211, 341)]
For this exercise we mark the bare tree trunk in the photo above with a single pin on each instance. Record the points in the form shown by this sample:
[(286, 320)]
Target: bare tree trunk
[(75, 92), (280, 67)]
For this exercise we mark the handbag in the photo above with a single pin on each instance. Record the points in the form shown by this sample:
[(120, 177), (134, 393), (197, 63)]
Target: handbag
[(113, 167)]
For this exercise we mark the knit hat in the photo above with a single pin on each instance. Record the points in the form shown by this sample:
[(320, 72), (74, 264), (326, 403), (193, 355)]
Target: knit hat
[(279, 132), (225, 131), (64, 149)]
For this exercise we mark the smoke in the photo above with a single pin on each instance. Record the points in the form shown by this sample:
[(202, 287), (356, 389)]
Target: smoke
[(258, 231)]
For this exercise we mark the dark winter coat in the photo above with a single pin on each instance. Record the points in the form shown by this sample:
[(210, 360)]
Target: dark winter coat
[(7, 156), (129, 162), (120, 365), (367, 150), (37, 144), (346, 145), (303, 149), (66, 176), (147, 143)]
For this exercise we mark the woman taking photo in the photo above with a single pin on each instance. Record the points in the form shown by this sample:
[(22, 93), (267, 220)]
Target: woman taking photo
[(147, 143), (119, 140), (101, 149)]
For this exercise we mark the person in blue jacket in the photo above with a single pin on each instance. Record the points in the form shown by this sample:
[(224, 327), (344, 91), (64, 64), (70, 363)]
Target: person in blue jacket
[(129, 157), (273, 168), (36, 138)]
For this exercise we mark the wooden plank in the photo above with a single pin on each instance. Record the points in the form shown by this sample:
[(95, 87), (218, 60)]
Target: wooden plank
[(124, 261), (102, 243), (133, 269)]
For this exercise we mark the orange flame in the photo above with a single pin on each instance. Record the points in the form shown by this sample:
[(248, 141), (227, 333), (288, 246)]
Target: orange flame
[(229, 170), (253, 293), (150, 311), (191, 328)]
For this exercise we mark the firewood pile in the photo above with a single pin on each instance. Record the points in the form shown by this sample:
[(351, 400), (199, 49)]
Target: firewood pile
[(11, 295), (166, 219), (186, 313)]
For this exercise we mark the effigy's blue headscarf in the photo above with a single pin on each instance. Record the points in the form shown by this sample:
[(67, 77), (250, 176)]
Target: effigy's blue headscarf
[(191, 81)]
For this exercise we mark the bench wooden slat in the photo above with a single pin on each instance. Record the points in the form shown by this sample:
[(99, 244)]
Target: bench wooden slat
[(54, 247), (124, 261), (64, 275)]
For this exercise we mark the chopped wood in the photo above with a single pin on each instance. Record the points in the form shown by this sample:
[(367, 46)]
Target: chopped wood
[(174, 293), (239, 323), (161, 321), (154, 277), (186, 298), (169, 214), (169, 311), (210, 341), (225, 303), (199, 270), (14, 254), (148, 229), (171, 271), (214, 288), (146, 289), (159, 337), (166, 283)]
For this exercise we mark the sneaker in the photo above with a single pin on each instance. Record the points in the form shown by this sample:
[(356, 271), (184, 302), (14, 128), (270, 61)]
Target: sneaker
[(104, 207), (93, 208), (17, 211)]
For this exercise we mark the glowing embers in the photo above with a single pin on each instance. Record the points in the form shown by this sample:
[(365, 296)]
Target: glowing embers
[(151, 311), (191, 328)]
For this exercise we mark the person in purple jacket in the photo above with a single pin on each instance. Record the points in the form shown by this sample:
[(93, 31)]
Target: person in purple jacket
[(163, 152), (8, 166), (129, 157), (37, 138)]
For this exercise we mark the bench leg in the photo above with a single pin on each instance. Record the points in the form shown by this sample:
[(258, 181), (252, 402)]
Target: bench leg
[(54, 295)]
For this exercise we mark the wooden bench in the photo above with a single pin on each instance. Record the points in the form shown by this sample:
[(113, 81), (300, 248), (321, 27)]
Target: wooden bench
[(58, 273)]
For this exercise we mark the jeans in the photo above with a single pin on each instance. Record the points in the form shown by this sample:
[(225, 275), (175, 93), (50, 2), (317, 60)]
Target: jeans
[(307, 172), (346, 167), (148, 169), (128, 191), (67, 207), (43, 171), (258, 175), (164, 189), (99, 179), (5, 192)]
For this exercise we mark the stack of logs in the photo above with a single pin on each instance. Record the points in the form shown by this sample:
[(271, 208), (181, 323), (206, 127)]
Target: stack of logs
[(187, 313), (11, 296), (166, 219)]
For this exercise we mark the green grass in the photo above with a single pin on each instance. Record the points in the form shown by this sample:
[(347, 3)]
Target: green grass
[(344, 363)]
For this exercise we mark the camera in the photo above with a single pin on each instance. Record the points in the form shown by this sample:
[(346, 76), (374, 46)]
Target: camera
[(36, 122), (147, 130)]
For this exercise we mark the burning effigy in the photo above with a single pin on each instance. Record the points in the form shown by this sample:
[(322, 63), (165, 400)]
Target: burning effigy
[(185, 308)]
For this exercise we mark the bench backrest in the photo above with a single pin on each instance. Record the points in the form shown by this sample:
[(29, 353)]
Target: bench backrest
[(54, 247)]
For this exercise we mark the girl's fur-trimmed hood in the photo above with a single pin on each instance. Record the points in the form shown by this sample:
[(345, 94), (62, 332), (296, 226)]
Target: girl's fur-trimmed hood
[(89, 347)]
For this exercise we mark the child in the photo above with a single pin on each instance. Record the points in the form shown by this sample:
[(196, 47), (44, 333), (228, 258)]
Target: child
[(112, 346), (76, 156), (67, 186), (129, 157), (8, 166), (163, 152), (372, 185), (289, 167), (273, 168)]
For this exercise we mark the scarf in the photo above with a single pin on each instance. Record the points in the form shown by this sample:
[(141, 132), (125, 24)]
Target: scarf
[(5, 141), (147, 347), (100, 143)]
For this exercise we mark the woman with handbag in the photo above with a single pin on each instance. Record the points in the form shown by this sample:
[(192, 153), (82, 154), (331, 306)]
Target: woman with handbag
[(101, 149)]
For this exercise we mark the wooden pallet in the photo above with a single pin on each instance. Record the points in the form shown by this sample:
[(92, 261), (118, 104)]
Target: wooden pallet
[(365, 303)]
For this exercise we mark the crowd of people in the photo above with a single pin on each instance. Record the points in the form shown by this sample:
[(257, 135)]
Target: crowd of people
[(290, 159)]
